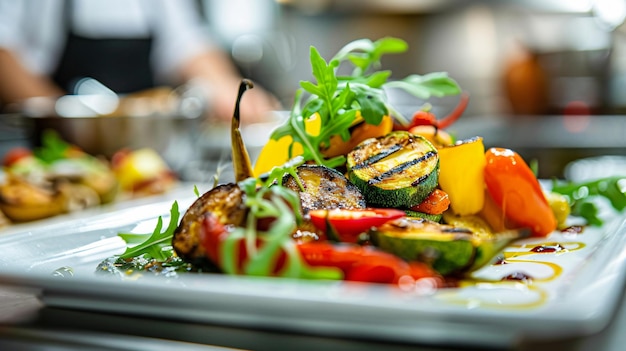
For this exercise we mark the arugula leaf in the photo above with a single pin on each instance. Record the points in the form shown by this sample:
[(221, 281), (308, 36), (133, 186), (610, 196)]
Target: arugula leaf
[(364, 53), (271, 200), (325, 75), (155, 246), (374, 80), (53, 148), (337, 100), (433, 84), (580, 196), (196, 191)]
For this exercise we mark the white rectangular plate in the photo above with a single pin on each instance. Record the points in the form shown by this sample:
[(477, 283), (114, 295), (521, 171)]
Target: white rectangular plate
[(574, 291)]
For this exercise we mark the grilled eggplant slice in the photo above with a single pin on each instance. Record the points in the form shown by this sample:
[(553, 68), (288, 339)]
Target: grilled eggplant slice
[(324, 188), (396, 170), (226, 202)]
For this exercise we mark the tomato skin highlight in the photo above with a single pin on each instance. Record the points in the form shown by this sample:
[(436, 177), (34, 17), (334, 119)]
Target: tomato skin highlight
[(349, 223), (423, 118), (436, 202), (358, 263), (364, 263), (514, 187), (212, 234), (427, 118)]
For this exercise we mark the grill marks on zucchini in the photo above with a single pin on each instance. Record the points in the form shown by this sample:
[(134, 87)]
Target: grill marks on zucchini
[(402, 167), (397, 170), (384, 153)]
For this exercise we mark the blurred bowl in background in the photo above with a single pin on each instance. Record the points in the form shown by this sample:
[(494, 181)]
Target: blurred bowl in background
[(166, 120)]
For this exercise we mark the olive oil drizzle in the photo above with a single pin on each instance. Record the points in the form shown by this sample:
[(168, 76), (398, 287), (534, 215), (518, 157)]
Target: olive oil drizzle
[(532, 284), (540, 296)]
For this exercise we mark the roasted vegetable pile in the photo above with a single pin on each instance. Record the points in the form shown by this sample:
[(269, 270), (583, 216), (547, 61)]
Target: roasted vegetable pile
[(350, 189)]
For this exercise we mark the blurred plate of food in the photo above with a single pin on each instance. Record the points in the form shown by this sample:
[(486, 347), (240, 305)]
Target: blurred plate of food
[(59, 178)]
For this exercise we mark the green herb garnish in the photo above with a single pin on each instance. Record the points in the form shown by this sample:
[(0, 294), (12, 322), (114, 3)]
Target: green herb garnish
[(53, 148), (196, 191), (271, 200), (158, 245), (581, 196), (336, 100)]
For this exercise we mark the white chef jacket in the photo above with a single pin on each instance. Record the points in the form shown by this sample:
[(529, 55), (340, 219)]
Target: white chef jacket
[(34, 30)]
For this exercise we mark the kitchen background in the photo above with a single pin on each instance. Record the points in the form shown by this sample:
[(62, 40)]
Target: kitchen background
[(546, 77), (573, 47)]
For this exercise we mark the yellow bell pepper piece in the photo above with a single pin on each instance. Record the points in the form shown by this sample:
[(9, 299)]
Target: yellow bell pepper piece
[(138, 166), (461, 175), (276, 152), (560, 207)]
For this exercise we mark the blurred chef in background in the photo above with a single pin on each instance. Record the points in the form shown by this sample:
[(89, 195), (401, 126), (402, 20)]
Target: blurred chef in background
[(129, 46)]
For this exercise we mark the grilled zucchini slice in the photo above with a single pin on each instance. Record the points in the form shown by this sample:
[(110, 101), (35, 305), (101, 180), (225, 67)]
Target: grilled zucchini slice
[(449, 249), (446, 248), (428, 216), (396, 170)]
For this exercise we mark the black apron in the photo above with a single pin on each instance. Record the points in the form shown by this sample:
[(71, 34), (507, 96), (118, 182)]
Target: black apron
[(123, 65)]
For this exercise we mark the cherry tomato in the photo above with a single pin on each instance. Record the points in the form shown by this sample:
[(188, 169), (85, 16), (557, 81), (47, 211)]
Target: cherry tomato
[(516, 190), (15, 154), (212, 236), (420, 118), (436, 202), (423, 118), (212, 233), (348, 224), (427, 118)]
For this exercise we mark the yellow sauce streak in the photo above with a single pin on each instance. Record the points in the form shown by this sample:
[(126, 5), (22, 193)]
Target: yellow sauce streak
[(541, 296), (568, 247), (556, 269), (454, 296)]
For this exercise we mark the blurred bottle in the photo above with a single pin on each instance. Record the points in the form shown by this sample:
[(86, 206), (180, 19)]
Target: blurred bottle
[(526, 83)]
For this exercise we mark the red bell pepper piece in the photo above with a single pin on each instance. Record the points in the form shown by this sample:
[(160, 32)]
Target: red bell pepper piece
[(365, 263), (212, 234), (347, 224), (423, 118), (427, 118), (516, 190), (436, 202), (357, 263)]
